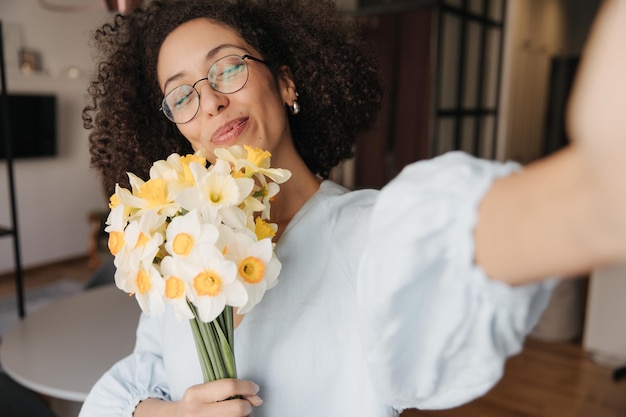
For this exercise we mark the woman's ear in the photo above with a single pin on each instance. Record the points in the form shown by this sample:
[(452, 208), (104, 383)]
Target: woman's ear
[(286, 85)]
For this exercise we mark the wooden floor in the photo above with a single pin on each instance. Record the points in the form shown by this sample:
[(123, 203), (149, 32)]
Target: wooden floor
[(75, 268), (545, 380)]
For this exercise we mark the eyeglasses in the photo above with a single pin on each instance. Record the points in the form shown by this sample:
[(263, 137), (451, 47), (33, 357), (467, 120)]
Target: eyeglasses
[(227, 75)]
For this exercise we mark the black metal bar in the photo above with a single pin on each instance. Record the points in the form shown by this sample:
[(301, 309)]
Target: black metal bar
[(6, 132), (499, 80), (460, 81), (467, 15), (477, 145), (436, 97)]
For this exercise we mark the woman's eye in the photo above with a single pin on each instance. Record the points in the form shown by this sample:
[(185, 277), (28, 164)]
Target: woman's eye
[(183, 100), (230, 72)]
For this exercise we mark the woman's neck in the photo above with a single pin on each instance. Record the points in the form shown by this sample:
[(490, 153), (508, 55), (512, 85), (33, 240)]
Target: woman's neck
[(293, 195)]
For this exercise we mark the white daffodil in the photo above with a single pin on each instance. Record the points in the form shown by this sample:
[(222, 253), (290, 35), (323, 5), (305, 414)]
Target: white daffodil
[(186, 233), (253, 204), (251, 160), (116, 223), (217, 191), (213, 283), (266, 194), (221, 167), (199, 234), (136, 274), (139, 245), (232, 154), (146, 228), (176, 288), (257, 268)]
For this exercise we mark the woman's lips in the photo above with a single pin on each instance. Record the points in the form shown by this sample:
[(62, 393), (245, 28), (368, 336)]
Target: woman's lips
[(229, 131)]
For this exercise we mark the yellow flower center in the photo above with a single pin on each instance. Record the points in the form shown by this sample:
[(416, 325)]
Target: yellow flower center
[(207, 283), (256, 156), (142, 239), (183, 244), (154, 192), (114, 201), (215, 197), (262, 229), (252, 270), (116, 242), (174, 287), (187, 177), (143, 282)]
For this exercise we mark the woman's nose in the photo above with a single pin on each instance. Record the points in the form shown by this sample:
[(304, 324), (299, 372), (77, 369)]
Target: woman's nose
[(211, 102)]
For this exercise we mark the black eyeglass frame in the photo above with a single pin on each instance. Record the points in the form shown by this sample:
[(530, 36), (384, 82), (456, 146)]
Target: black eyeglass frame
[(193, 86)]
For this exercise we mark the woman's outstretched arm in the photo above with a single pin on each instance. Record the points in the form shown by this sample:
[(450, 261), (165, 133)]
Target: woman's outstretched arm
[(566, 214)]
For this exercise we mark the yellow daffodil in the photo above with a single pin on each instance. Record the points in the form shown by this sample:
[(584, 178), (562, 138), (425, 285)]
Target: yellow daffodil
[(263, 229), (154, 194), (176, 170)]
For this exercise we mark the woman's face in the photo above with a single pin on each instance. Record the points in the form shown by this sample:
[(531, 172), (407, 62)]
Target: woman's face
[(255, 115)]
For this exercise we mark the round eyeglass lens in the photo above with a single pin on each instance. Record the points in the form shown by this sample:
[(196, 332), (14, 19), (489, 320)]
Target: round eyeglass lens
[(228, 74), (181, 104)]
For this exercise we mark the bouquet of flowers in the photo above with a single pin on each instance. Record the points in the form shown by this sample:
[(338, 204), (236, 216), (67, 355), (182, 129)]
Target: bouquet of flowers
[(197, 237)]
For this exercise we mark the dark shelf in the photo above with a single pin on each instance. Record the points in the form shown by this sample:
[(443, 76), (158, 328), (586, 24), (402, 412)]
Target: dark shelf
[(5, 132)]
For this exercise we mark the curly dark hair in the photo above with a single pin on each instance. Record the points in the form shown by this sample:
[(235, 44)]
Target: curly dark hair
[(335, 75)]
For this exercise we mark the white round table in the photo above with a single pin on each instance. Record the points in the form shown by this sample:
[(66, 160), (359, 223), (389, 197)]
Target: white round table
[(63, 348)]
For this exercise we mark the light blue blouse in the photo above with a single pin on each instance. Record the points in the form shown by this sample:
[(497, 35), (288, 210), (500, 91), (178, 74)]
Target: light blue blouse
[(379, 307)]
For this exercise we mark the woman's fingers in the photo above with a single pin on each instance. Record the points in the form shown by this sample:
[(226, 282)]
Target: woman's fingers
[(223, 389), (255, 400), (238, 407), (221, 398)]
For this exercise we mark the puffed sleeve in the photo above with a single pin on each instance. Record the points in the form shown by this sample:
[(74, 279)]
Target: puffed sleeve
[(139, 376), (436, 330)]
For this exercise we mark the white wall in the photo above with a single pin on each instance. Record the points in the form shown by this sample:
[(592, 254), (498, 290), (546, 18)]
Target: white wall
[(54, 195), (604, 326), (537, 30)]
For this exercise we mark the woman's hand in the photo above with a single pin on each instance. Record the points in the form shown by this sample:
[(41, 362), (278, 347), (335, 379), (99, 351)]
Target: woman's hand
[(209, 399)]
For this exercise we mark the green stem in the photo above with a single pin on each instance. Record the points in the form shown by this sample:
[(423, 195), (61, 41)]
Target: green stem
[(226, 353), (211, 344), (230, 328), (214, 345), (205, 364)]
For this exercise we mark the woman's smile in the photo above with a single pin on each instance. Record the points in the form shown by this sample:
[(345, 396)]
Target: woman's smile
[(229, 131)]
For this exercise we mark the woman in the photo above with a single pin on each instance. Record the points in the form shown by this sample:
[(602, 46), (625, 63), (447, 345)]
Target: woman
[(413, 296)]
